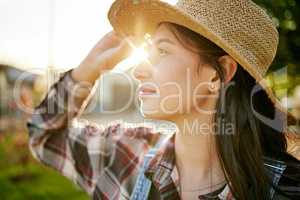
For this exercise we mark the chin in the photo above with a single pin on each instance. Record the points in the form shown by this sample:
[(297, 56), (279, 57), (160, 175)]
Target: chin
[(156, 116), (154, 111)]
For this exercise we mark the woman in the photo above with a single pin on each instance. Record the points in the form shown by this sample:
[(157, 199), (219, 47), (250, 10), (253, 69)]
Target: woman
[(205, 59)]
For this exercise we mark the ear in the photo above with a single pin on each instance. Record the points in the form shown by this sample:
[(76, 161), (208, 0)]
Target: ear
[(229, 65)]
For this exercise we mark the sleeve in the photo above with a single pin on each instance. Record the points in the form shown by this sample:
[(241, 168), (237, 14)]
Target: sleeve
[(56, 140)]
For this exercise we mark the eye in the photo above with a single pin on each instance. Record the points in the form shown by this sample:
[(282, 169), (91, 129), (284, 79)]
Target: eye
[(162, 52)]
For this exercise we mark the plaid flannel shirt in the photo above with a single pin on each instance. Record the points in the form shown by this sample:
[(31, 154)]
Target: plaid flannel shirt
[(105, 161)]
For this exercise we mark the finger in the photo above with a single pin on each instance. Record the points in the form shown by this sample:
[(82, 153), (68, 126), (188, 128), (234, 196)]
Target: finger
[(133, 41), (123, 50), (115, 36), (109, 40)]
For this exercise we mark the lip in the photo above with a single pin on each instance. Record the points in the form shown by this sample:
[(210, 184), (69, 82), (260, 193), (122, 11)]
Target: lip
[(145, 91)]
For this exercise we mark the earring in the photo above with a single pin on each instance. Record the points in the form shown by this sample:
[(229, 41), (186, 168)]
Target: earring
[(212, 87)]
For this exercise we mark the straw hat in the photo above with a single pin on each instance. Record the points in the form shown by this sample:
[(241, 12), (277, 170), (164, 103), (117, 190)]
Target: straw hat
[(240, 27)]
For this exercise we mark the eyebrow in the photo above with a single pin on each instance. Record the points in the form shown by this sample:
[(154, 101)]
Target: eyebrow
[(164, 40)]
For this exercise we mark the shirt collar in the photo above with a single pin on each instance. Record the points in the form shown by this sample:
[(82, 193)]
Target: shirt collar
[(162, 164)]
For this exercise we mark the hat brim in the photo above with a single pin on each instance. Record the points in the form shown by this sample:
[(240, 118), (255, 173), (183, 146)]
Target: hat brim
[(142, 17)]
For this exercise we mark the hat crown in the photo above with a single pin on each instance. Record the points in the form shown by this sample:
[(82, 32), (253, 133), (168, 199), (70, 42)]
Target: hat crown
[(212, 3), (244, 25)]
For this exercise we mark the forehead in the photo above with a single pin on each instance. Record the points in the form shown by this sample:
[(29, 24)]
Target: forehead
[(163, 31)]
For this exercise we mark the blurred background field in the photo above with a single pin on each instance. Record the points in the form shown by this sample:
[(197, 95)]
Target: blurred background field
[(48, 37), (22, 178)]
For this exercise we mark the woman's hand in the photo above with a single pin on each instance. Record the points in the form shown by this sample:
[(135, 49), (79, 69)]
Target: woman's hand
[(105, 55)]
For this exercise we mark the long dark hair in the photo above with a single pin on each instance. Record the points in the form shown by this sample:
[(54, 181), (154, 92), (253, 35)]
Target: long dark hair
[(241, 154)]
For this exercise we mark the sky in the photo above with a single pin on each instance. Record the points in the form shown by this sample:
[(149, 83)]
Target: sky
[(39, 33), (35, 34)]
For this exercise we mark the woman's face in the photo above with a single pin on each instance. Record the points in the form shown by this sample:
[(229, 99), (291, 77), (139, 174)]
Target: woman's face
[(170, 75)]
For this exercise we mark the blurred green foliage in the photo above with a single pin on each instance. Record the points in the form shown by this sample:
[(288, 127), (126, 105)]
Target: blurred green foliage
[(286, 16), (36, 182)]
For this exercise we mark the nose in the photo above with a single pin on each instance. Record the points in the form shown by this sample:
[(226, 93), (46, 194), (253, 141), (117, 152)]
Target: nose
[(142, 71)]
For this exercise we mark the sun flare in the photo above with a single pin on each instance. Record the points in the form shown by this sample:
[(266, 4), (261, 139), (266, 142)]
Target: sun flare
[(138, 55)]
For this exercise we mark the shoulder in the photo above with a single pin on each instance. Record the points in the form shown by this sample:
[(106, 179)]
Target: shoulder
[(117, 130), (143, 132), (131, 135)]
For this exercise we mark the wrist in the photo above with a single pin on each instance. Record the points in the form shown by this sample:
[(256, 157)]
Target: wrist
[(82, 86)]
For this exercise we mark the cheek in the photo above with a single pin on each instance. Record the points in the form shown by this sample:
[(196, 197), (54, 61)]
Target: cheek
[(175, 77), (171, 75), (175, 81)]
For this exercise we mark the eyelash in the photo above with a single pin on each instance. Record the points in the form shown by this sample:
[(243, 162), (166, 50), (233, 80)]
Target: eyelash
[(162, 50)]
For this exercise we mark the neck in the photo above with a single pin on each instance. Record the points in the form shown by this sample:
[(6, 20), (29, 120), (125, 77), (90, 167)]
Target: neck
[(195, 148)]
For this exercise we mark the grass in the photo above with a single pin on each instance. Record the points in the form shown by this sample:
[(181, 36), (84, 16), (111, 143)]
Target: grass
[(23, 178), (36, 182)]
